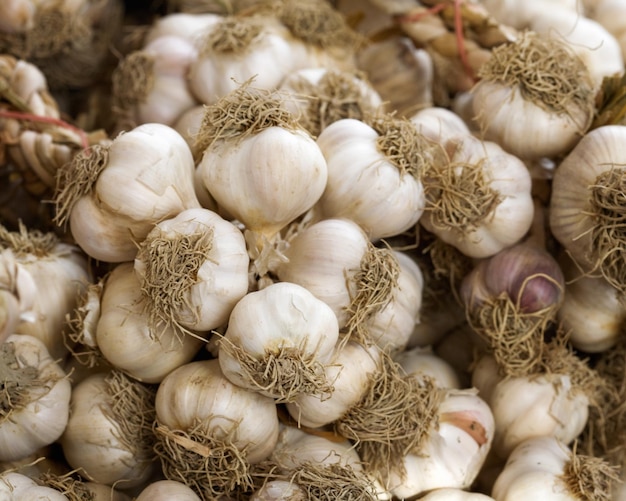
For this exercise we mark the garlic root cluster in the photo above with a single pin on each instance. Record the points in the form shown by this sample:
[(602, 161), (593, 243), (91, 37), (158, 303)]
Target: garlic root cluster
[(306, 250)]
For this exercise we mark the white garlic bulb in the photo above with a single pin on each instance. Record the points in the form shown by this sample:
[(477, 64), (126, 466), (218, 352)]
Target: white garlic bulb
[(545, 85), (127, 338), (113, 196), (189, 26), (278, 341), (193, 268), (423, 360), (480, 201), (109, 436), (35, 397), (374, 174), (453, 494), (166, 490), (16, 486), (17, 16), (438, 123)]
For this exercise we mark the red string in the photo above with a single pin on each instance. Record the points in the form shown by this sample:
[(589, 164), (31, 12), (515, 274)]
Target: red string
[(20, 115)]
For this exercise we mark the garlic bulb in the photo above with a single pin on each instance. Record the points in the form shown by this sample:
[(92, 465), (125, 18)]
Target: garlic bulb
[(552, 402), (480, 200), (166, 490), (238, 48), (590, 40), (453, 451), (127, 338), (150, 84), (188, 125), (45, 276), (608, 13), (113, 196), (423, 360), (264, 171), (587, 200), (193, 269), (520, 15), (19, 487), (546, 468), (210, 431), (189, 26), (109, 436), (591, 312), (353, 366), (35, 397), (541, 81), (439, 124), (452, 494), (321, 96), (278, 342), (374, 173), (17, 16)]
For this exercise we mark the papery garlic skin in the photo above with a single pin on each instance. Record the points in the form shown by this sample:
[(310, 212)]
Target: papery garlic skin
[(423, 360), (574, 216), (166, 490), (220, 280), (267, 179), (283, 320), (217, 71), (41, 415), (15, 486), (520, 15), (366, 185), (351, 369), (148, 177), (199, 392), (98, 442), (278, 490), (439, 123), (507, 221), (453, 453), (525, 407), (452, 494), (17, 16), (183, 25), (323, 258), (609, 14), (125, 337)]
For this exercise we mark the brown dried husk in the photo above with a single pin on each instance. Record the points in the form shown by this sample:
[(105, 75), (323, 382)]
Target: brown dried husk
[(514, 338), (131, 413), (588, 477), (404, 146), (459, 195), (171, 269), (131, 82), (546, 71), (448, 263), (71, 48), (232, 35), (334, 97), (319, 23), (76, 179), (213, 467), (374, 282), (19, 386), (608, 234), (244, 112), (283, 372), (71, 487), (329, 482), (25, 242), (393, 419)]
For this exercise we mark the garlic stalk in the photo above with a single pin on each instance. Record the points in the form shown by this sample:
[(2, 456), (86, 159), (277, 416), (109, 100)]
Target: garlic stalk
[(480, 200), (321, 96), (253, 149), (586, 202), (548, 469), (34, 397), (278, 341), (210, 432), (150, 84), (193, 269), (166, 490), (45, 276), (112, 196), (540, 80), (126, 337), (554, 400), (510, 299), (109, 437), (375, 171)]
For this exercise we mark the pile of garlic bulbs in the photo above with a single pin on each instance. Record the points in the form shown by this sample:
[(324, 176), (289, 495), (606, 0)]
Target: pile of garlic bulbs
[(312, 250)]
